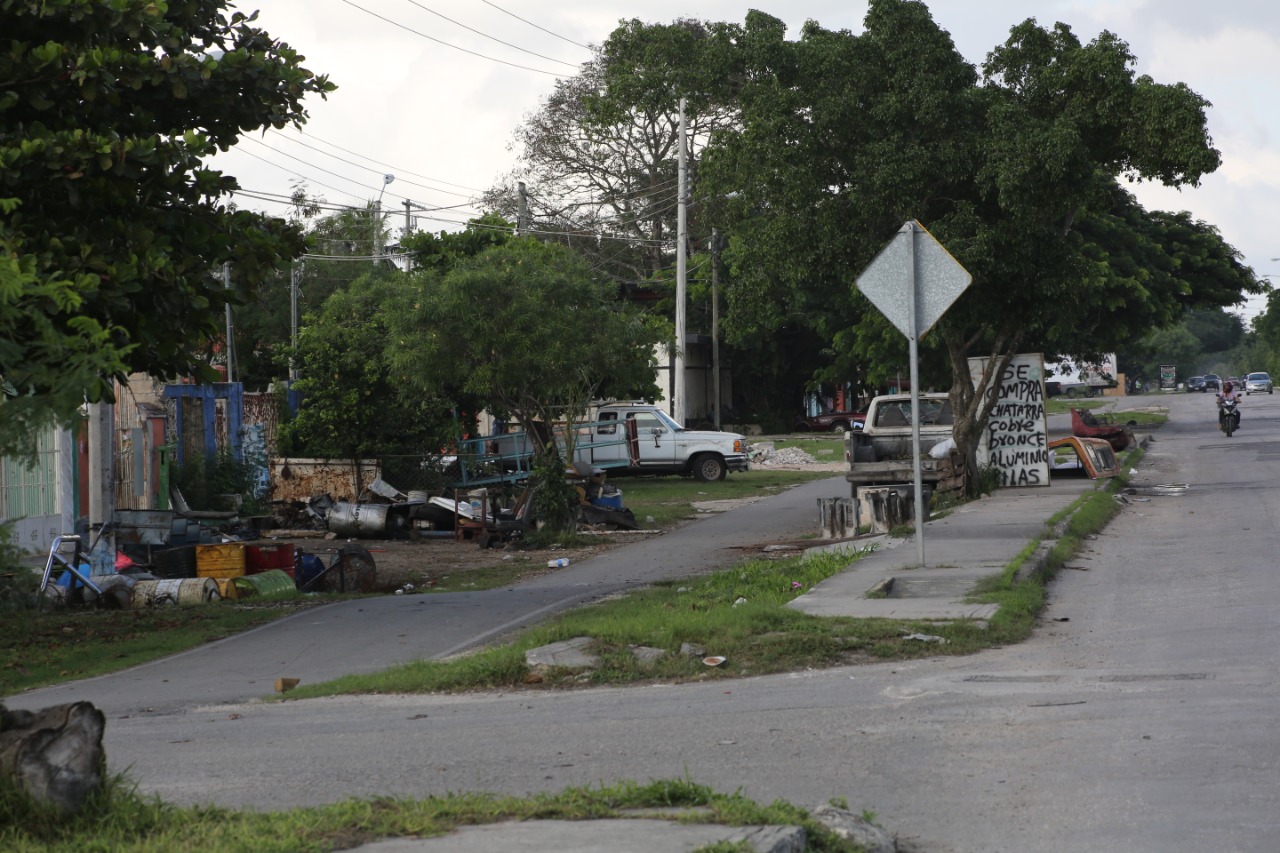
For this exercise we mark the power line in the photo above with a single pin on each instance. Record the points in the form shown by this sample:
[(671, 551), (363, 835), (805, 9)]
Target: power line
[(535, 26), (397, 171), (445, 43), (298, 174), (491, 38), (379, 172)]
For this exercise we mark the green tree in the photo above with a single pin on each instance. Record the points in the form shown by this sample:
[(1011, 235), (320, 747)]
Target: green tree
[(354, 402), (112, 221), (340, 244), (1016, 171), (527, 330)]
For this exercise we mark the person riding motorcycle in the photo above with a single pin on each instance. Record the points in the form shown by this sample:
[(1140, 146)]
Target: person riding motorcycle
[(1228, 393)]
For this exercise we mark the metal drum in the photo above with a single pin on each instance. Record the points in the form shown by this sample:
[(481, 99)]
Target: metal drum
[(187, 591), (368, 521)]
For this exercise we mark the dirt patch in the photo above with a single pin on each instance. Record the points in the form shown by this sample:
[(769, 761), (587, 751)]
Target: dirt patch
[(429, 563)]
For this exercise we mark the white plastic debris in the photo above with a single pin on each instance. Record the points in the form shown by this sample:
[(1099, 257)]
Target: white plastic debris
[(740, 601), (926, 638), (943, 449)]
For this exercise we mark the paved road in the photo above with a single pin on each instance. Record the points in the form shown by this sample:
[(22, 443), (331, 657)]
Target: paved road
[(1140, 717), (370, 634)]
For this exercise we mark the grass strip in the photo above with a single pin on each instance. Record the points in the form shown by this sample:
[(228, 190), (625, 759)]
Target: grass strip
[(51, 647), (1021, 595), (120, 820)]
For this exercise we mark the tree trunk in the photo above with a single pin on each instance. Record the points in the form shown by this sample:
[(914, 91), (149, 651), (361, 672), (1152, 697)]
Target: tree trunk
[(54, 755), (972, 402)]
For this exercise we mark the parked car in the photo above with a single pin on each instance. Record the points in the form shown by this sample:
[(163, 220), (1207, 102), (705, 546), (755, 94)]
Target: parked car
[(1212, 382), (1258, 382), (1195, 383), (831, 422)]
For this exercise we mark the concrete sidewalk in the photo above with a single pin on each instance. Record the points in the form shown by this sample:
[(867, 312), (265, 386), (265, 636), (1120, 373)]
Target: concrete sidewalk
[(978, 539)]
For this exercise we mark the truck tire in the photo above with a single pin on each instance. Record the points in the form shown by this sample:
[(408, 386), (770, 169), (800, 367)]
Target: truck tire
[(709, 468)]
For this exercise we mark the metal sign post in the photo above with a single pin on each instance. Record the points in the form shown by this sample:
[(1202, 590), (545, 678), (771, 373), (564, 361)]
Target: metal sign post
[(913, 281)]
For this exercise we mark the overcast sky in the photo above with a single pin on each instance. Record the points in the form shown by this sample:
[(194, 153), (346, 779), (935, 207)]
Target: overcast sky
[(412, 102)]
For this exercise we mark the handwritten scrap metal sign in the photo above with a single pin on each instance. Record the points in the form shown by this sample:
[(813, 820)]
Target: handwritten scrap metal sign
[(1017, 436)]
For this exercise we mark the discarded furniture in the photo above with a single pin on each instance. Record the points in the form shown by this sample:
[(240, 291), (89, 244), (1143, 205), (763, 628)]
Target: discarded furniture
[(1085, 425)]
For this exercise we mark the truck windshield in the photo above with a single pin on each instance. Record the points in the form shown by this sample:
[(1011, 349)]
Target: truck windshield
[(663, 418), (667, 421)]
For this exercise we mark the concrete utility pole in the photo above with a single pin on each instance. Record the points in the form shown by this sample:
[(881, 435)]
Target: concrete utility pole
[(377, 217), (715, 323), (678, 407), (522, 213), (231, 328), (295, 273), (102, 469)]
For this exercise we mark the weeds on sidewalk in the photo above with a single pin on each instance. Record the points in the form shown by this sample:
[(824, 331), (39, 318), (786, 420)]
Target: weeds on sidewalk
[(121, 820), (1021, 594)]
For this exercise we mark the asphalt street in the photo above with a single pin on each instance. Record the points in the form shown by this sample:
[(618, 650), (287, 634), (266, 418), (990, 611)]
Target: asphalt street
[(1140, 716), (370, 634)]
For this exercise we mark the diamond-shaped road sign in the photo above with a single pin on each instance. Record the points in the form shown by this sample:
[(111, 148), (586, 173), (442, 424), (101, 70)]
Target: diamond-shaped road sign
[(913, 268)]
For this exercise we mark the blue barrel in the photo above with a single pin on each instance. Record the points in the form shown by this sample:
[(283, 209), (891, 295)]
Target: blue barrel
[(309, 568)]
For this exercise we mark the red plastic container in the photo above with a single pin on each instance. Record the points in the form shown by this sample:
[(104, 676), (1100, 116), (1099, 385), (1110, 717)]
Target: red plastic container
[(262, 558)]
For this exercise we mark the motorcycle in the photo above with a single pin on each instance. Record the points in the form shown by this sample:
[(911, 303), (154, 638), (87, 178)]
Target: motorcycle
[(1229, 416)]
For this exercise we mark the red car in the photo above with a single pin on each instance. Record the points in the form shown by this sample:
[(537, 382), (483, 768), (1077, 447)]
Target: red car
[(831, 422)]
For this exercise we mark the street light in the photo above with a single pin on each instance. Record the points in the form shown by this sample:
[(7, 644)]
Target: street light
[(377, 217)]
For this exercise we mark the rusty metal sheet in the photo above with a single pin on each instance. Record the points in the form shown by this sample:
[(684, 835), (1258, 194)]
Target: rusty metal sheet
[(303, 479), (1093, 455)]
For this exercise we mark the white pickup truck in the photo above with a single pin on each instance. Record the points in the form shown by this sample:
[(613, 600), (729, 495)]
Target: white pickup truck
[(880, 452), (631, 438), (642, 438)]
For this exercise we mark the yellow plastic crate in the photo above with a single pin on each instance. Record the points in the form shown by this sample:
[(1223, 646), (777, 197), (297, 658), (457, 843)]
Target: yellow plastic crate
[(220, 561)]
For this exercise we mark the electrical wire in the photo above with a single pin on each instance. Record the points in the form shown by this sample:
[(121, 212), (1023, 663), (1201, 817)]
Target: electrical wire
[(491, 38), (396, 169), (398, 172), (535, 26), (445, 43), (337, 175), (297, 174)]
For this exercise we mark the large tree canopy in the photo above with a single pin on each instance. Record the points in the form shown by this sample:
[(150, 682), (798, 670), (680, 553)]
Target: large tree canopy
[(355, 404), (527, 329), (112, 224), (1016, 170)]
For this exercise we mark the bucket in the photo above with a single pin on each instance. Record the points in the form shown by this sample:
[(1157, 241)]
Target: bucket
[(610, 501), (263, 584), (184, 591)]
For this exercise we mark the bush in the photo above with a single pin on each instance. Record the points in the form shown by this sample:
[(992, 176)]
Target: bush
[(18, 584), (212, 484)]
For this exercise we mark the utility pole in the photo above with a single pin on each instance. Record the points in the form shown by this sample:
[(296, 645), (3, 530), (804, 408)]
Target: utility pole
[(102, 479), (231, 329), (523, 210), (408, 226), (377, 218), (678, 407), (715, 323), (295, 273)]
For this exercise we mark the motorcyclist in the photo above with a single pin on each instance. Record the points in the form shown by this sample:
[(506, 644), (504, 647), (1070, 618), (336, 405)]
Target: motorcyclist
[(1228, 393)]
